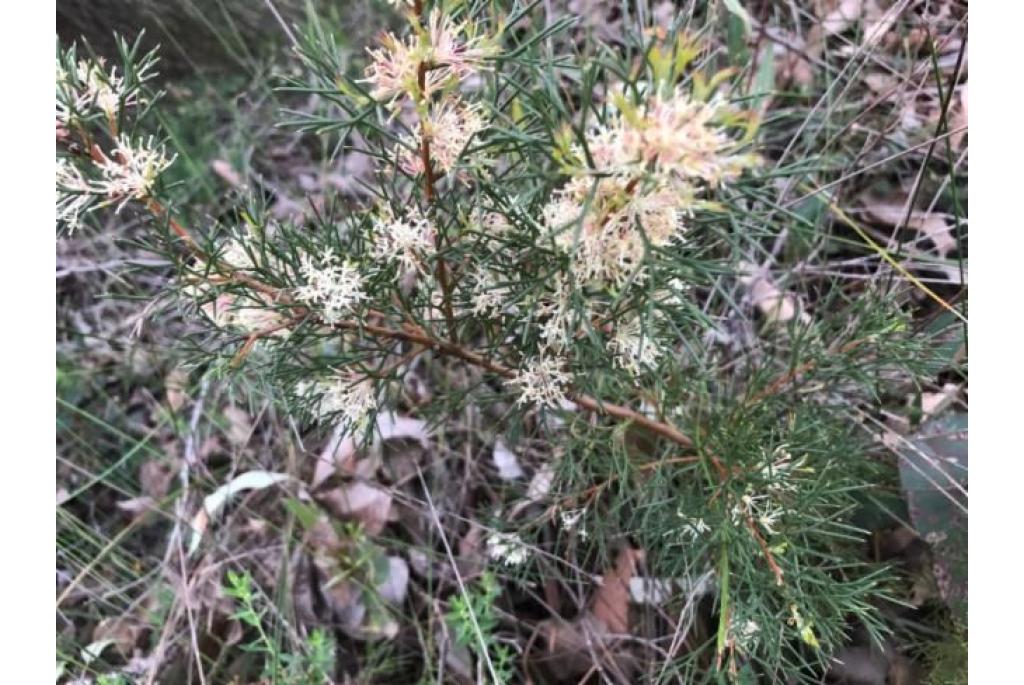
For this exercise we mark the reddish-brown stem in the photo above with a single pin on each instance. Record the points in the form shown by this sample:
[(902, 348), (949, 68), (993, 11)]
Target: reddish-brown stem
[(246, 348), (769, 557), (429, 192)]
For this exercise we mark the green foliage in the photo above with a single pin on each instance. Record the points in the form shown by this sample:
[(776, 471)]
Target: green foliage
[(539, 229), (312, 667), (474, 621)]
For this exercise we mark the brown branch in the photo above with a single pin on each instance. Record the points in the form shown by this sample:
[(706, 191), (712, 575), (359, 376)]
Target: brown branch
[(429, 192), (769, 557)]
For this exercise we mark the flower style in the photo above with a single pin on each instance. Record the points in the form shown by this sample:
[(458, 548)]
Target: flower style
[(131, 171), (337, 288), (461, 55), (693, 528), (760, 509), (542, 381), (403, 241)]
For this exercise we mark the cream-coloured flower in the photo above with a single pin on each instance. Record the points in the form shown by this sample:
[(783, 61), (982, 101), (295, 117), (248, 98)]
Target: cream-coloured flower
[(647, 164), (632, 349), (448, 128), (74, 194), (508, 548), (542, 381), (91, 86), (393, 71), (489, 298), (132, 170), (454, 47), (348, 395), (445, 51), (336, 287), (403, 241)]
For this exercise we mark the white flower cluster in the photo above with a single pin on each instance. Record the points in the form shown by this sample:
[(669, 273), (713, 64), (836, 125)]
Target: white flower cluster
[(542, 381), (649, 163), (403, 241), (346, 395), (446, 47), (336, 287), (448, 128), (508, 548), (780, 469), (128, 174), (488, 297), (89, 86), (693, 528), (759, 508), (632, 348)]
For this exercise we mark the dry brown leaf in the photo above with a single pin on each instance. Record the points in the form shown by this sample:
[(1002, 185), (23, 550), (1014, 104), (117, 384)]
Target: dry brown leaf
[(610, 604), (933, 403), (137, 506), (776, 306), (176, 385), (877, 22), (227, 172), (506, 461), (368, 504), (893, 212), (155, 478), (845, 15), (959, 119), (336, 456), (239, 426), (121, 632)]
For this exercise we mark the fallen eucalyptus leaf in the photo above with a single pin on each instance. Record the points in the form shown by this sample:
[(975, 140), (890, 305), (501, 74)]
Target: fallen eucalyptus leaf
[(212, 505)]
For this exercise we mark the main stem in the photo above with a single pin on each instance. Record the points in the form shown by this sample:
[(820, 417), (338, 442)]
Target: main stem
[(430, 192)]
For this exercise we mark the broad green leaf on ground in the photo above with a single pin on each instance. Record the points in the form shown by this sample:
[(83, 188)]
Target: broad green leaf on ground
[(933, 473)]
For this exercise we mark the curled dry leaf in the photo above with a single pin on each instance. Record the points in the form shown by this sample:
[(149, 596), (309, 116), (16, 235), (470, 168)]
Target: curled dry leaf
[(176, 388), (892, 211), (359, 501), (538, 489), (223, 168), (214, 503), (239, 426), (336, 456), (836, 17), (610, 604), (506, 461), (776, 306)]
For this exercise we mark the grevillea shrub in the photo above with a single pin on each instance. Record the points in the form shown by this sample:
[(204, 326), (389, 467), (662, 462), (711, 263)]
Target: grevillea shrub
[(582, 243)]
